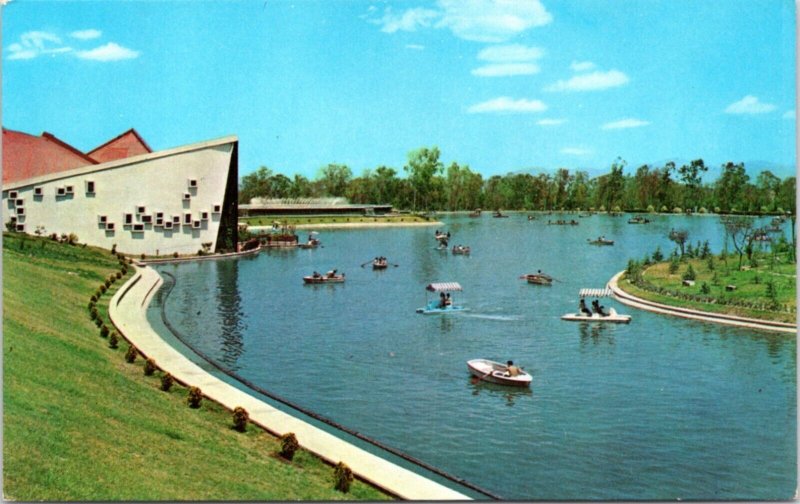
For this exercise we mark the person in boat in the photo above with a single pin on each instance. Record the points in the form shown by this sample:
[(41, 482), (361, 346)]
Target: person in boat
[(442, 300), (331, 273), (447, 300), (583, 309), (511, 369), (316, 274), (598, 309)]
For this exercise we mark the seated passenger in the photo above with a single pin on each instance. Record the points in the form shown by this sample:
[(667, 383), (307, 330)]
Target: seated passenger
[(583, 309), (512, 370), (447, 300), (442, 300)]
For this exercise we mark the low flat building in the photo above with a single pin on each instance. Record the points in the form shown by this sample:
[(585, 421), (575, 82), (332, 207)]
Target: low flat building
[(308, 206), (122, 193)]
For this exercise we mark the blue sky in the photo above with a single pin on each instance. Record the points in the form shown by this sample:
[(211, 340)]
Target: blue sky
[(500, 85)]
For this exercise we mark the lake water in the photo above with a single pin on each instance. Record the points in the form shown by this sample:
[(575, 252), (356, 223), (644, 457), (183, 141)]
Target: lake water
[(660, 409)]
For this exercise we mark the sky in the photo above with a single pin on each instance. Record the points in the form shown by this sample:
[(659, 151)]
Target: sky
[(500, 85)]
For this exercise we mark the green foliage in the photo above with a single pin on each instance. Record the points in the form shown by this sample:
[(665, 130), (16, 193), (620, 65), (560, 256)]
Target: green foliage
[(103, 288), (651, 208), (343, 477), (104, 331), (113, 340), (710, 263), (674, 264), (705, 289), (195, 397), (289, 445), (677, 210), (689, 274), (240, 419), (658, 256), (150, 366)]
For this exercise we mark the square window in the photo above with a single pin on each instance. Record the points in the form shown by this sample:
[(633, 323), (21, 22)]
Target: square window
[(102, 219), (12, 194), (168, 225), (159, 221), (204, 215), (13, 218), (61, 191), (192, 182), (187, 218), (140, 210), (90, 186), (196, 224), (38, 191), (109, 226), (159, 215), (147, 219), (20, 210), (19, 202), (21, 228), (128, 219), (176, 219), (69, 189), (187, 196), (138, 228), (217, 208)]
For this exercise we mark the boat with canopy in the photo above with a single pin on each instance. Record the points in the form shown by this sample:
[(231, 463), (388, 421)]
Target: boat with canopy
[(436, 306), (611, 317)]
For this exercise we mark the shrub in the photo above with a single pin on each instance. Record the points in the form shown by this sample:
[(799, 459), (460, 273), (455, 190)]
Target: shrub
[(705, 289), (289, 445), (710, 263), (142, 256), (98, 321), (166, 382), (113, 249), (94, 299), (677, 209), (717, 209), (104, 331), (673, 265), (149, 367), (113, 340), (658, 256), (93, 313), (772, 295), (651, 208), (616, 209), (664, 209), (107, 283), (130, 355), (118, 275), (343, 476), (195, 397), (689, 274), (72, 239), (175, 255), (103, 288), (240, 419), (702, 210)]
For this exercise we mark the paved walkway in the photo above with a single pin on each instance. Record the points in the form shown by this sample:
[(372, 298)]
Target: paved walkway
[(718, 318), (128, 313)]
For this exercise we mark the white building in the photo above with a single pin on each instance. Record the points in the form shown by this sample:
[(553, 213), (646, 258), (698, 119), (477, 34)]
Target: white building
[(156, 203)]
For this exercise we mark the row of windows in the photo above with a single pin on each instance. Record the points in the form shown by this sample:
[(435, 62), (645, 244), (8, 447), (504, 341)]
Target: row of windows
[(90, 189)]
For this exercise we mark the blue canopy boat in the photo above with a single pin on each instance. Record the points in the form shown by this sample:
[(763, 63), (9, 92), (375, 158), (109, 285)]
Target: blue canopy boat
[(435, 306)]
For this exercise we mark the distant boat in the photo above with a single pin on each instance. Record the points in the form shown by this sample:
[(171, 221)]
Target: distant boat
[(600, 241), (434, 306), (461, 249), (538, 278), (498, 215), (613, 317), (475, 213), (379, 264), (494, 372), (328, 278), (638, 220)]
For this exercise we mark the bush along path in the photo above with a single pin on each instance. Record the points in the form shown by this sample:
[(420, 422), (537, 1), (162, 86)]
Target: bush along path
[(89, 421)]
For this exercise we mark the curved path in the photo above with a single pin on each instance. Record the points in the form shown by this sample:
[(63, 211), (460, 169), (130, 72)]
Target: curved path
[(718, 318), (128, 312)]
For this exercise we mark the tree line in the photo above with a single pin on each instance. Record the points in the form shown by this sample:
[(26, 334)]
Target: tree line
[(426, 184)]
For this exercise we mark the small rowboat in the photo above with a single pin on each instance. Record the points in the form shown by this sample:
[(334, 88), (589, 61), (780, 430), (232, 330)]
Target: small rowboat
[(323, 279), (461, 249), (612, 318), (495, 372), (380, 264), (309, 244), (538, 279), (600, 241)]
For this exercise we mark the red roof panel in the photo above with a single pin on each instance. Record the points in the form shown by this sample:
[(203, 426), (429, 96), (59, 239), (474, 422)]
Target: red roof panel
[(26, 156), (125, 145)]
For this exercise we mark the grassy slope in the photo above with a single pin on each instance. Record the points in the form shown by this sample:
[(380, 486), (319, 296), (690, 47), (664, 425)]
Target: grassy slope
[(79, 423), (747, 289)]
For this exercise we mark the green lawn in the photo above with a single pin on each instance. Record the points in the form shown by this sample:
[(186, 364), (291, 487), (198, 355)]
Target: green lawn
[(80, 423), (294, 220), (750, 282)]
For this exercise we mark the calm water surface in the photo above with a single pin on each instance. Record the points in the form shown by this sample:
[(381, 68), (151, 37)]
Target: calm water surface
[(663, 408)]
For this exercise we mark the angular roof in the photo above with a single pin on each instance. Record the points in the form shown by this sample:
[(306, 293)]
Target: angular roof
[(27, 156), (123, 146)]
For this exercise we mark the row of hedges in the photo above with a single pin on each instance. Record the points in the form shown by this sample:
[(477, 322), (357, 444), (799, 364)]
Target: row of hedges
[(343, 475)]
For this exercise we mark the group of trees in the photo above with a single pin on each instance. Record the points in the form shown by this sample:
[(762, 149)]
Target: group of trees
[(425, 183)]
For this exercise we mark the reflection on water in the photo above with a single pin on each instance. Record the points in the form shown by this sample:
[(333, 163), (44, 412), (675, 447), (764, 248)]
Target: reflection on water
[(661, 408)]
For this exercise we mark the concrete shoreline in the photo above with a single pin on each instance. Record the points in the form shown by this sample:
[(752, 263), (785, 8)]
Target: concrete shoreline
[(717, 318), (128, 312), (353, 225)]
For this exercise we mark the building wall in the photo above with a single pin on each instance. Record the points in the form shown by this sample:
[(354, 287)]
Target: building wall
[(159, 182)]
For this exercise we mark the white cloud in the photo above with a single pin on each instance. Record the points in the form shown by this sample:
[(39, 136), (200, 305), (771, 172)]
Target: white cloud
[(551, 122), (506, 69), (790, 114), (108, 52), (409, 20), (492, 20), (625, 123), (749, 105), (582, 66), (35, 43), (576, 151), (508, 105), (591, 82), (86, 34), (416, 47), (510, 53)]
